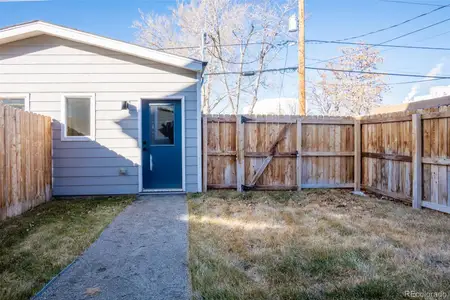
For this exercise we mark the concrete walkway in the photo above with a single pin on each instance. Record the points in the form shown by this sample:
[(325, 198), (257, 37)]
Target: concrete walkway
[(143, 254)]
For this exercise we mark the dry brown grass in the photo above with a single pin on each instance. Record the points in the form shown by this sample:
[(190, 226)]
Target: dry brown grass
[(314, 245)]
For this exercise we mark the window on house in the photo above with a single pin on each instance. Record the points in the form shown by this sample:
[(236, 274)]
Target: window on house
[(16, 101), (78, 117)]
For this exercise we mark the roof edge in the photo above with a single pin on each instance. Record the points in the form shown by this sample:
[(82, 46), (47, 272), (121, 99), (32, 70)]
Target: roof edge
[(34, 28)]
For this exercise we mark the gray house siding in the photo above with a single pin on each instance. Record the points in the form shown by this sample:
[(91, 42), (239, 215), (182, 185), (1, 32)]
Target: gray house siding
[(46, 67)]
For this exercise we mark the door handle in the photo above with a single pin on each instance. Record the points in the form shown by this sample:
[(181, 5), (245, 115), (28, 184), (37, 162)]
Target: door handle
[(151, 162), (144, 143)]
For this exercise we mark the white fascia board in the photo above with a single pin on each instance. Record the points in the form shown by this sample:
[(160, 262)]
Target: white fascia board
[(27, 30)]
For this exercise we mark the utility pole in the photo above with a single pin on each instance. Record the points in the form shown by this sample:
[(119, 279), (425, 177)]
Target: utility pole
[(301, 59)]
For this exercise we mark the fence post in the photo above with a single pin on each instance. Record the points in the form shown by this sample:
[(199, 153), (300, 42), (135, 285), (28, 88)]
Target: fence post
[(357, 149), (48, 155), (299, 154), (3, 199), (205, 153), (240, 163), (417, 160)]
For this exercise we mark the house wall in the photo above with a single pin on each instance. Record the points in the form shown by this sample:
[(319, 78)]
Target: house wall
[(46, 67)]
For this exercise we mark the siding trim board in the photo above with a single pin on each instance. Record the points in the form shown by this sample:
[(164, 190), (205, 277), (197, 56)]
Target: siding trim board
[(199, 132), (140, 180)]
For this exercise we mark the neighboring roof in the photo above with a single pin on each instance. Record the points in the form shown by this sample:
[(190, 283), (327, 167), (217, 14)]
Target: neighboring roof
[(35, 28), (280, 106), (412, 106)]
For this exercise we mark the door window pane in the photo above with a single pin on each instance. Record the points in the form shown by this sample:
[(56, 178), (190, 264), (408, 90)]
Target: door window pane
[(16, 103), (162, 124), (78, 116)]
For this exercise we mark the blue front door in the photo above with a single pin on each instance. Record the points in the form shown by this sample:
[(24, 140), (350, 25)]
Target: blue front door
[(161, 145)]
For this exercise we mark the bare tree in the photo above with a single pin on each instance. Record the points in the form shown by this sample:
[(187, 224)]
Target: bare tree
[(345, 93), (242, 35)]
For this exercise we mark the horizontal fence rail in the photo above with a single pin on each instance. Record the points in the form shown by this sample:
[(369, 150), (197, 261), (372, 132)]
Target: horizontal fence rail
[(25, 160), (404, 156)]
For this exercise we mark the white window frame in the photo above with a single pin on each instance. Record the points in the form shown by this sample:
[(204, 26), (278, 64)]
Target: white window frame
[(26, 98), (88, 97)]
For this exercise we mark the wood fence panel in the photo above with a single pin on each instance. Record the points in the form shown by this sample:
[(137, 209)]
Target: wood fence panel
[(386, 157), (221, 147), (436, 159), (281, 171), (25, 160), (325, 159), (331, 167)]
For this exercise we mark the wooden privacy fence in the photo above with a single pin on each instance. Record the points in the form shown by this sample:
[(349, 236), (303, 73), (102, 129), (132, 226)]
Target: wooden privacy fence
[(387, 148), (407, 157), (404, 156), (277, 152), (25, 160)]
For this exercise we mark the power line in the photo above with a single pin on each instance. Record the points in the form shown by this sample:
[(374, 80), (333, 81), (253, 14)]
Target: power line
[(395, 25), (390, 40), (417, 41), (314, 41), (283, 43), (349, 43), (251, 73), (415, 31), (378, 45), (435, 36), (414, 81), (282, 76), (392, 83), (378, 73), (410, 2)]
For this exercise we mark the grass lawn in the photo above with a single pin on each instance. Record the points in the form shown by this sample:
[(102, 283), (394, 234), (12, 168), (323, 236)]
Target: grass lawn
[(35, 246), (314, 245)]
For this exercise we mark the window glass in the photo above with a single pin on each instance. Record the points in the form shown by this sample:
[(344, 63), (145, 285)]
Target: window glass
[(17, 103), (162, 124), (78, 116)]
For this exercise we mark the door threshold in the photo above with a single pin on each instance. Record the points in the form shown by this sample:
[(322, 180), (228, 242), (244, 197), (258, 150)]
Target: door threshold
[(161, 191)]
